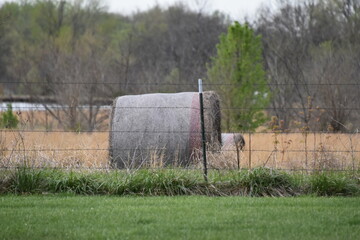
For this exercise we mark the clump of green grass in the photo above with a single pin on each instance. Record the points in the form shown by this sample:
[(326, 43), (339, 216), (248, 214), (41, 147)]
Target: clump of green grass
[(26, 179), (267, 182), (171, 182), (262, 182), (142, 182), (333, 184)]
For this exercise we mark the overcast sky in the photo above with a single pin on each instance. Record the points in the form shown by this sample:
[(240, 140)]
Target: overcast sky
[(237, 9)]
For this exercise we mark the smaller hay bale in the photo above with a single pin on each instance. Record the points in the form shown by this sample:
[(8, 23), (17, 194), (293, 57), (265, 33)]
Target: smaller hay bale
[(232, 141)]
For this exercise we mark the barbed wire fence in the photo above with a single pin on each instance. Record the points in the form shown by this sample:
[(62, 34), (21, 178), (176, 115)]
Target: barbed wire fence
[(40, 142)]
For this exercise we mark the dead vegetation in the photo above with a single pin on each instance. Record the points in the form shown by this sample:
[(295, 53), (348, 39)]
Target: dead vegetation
[(313, 151)]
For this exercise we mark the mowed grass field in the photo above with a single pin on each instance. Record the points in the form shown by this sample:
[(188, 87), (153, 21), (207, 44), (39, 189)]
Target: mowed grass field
[(191, 217), (287, 151)]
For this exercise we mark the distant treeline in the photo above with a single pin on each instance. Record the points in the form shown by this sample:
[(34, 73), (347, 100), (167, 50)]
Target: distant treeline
[(76, 51)]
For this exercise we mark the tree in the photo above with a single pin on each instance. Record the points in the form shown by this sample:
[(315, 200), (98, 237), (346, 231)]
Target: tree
[(8, 119), (311, 58), (75, 57), (238, 69), (286, 45), (75, 54), (180, 40)]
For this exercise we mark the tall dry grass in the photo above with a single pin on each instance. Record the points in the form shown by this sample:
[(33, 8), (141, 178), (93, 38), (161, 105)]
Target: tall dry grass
[(42, 120), (294, 151), (274, 150), (54, 149)]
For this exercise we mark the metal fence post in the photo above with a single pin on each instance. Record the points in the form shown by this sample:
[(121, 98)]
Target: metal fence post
[(250, 150), (203, 129)]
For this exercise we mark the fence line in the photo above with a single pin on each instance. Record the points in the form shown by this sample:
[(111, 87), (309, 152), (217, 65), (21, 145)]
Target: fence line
[(194, 108), (179, 84), (162, 148), (284, 132), (109, 168), (291, 152), (312, 152)]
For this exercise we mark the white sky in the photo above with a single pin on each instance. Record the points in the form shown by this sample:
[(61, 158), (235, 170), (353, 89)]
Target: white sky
[(237, 9)]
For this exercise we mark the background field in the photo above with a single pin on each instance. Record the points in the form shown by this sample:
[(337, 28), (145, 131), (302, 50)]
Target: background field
[(60, 217), (276, 150)]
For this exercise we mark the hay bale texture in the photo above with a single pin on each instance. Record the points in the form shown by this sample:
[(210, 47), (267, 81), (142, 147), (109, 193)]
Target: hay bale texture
[(232, 141), (153, 128)]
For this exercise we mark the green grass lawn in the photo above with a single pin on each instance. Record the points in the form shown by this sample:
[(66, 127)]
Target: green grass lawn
[(191, 217)]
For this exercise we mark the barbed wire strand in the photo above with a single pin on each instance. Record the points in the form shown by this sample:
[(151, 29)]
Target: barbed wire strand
[(125, 170), (285, 132), (180, 149), (177, 84), (42, 108)]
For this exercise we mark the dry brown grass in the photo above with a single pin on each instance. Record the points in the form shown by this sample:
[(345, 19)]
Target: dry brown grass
[(287, 151), (65, 149), (45, 121), (295, 151)]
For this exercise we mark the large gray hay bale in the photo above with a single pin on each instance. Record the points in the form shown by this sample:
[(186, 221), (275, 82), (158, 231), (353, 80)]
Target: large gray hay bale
[(231, 141), (161, 129)]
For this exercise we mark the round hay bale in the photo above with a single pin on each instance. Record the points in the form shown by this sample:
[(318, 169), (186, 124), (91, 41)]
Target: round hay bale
[(232, 141), (155, 130)]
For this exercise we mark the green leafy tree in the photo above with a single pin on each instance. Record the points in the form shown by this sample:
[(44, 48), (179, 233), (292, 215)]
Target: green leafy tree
[(8, 119), (238, 69)]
